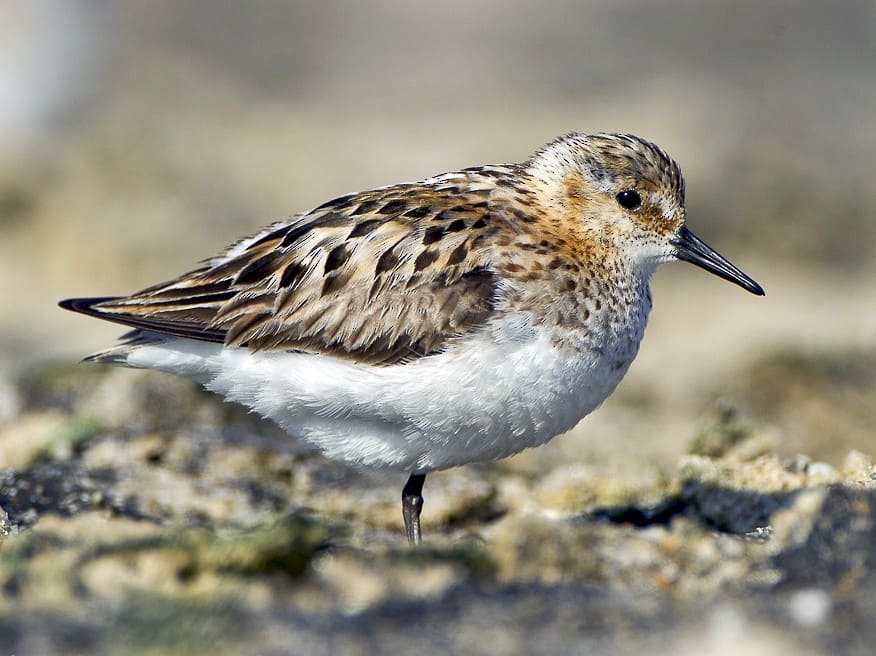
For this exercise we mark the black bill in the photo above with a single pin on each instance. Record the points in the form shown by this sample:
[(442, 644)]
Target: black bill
[(694, 250)]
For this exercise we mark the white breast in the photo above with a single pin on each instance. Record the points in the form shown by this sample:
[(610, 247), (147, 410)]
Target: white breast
[(501, 391)]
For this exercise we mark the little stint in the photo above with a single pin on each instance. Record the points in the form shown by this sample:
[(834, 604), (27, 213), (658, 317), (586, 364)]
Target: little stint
[(426, 325)]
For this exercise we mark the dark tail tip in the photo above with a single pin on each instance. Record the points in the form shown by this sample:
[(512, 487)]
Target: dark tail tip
[(84, 305)]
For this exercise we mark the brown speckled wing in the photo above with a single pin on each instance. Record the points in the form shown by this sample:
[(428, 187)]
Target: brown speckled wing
[(377, 277)]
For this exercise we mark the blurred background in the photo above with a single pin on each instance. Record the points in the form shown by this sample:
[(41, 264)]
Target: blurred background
[(138, 138)]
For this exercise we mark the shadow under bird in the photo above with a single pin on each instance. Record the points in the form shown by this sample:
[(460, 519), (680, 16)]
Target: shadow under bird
[(426, 325)]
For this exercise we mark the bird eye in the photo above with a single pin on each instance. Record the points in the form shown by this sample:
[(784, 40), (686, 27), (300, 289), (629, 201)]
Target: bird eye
[(629, 199)]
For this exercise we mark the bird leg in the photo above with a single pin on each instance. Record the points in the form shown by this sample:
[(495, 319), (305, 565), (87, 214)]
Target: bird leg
[(412, 505)]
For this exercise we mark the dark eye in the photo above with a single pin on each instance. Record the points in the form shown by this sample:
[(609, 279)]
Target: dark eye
[(629, 199)]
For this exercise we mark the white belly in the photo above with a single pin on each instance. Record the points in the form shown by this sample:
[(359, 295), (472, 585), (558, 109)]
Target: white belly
[(484, 399)]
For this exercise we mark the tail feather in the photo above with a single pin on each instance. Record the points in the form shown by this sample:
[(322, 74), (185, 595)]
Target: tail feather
[(155, 324), (129, 342), (86, 305)]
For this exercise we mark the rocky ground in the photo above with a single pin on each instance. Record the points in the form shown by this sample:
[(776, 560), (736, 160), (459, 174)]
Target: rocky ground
[(137, 511)]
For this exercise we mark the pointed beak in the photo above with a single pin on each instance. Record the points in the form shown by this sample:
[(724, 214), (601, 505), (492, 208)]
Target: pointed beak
[(691, 248)]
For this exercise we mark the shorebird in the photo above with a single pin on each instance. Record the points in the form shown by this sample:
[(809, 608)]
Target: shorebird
[(426, 325)]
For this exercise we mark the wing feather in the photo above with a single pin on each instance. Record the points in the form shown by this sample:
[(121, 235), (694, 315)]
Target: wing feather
[(377, 277)]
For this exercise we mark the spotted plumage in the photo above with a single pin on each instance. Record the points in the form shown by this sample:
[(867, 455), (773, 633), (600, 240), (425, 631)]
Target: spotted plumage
[(424, 325)]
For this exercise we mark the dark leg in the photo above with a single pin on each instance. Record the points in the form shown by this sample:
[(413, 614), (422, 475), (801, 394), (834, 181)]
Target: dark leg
[(412, 505)]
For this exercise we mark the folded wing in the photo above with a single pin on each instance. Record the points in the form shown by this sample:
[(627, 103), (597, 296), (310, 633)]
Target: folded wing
[(377, 277)]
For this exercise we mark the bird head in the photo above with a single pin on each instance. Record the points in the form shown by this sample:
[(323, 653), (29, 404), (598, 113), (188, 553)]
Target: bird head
[(626, 192)]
